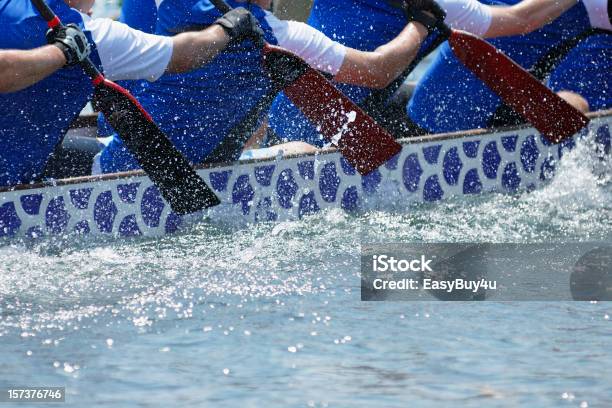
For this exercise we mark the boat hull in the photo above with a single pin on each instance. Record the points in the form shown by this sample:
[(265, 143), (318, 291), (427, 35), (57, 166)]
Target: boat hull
[(428, 169)]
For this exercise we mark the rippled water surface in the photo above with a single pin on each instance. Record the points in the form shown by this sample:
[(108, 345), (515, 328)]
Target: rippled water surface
[(270, 315)]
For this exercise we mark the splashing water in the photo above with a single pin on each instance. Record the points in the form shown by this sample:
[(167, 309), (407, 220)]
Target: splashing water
[(239, 313), (350, 118)]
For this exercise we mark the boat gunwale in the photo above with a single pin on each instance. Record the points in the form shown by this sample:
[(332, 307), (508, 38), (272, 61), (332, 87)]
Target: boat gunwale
[(88, 122)]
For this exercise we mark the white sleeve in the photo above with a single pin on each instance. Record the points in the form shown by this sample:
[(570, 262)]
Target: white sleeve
[(127, 53), (318, 50), (598, 13), (467, 15)]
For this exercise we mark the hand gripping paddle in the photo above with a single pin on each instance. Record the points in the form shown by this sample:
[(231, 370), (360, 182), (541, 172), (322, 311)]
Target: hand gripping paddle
[(552, 116)]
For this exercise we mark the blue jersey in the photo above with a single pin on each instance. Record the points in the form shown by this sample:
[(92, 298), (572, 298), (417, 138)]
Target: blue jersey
[(451, 98), (139, 14), (587, 71), (35, 119), (360, 24), (197, 109)]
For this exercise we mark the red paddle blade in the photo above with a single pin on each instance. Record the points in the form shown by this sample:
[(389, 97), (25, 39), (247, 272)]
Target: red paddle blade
[(546, 111), (364, 143)]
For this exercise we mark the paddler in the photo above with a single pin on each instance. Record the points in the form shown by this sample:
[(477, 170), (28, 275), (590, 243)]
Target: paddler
[(197, 110), (35, 119), (366, 24), (574, 52)]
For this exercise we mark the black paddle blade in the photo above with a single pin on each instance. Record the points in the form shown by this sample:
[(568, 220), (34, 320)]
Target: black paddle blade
[(177, 181)]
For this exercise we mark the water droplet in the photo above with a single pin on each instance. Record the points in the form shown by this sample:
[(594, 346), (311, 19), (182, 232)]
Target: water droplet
[(568, 396)]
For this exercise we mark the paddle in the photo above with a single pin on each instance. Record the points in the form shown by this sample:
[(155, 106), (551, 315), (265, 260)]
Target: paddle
[(552, 116), (167, 168), (365, 144), (505, 115), (232, 145), (546, 111)]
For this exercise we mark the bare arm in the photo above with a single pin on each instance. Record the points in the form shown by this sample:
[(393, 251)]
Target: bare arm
[(526, 16), (379, 68), (22, 68), (194, 49)]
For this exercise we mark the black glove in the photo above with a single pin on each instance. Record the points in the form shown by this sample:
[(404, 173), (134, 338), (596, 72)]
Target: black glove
[(240, 24), (71, 40), (416, 10)]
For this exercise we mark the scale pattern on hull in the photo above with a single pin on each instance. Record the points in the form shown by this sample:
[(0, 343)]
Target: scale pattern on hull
[(274, 190)]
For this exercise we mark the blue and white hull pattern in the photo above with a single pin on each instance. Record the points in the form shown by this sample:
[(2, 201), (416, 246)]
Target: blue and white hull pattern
[(428, 169)]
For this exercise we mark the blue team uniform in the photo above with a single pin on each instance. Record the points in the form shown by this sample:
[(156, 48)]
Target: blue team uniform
[(139, 14), (197, 109), (34, 120), (451, 98), (587, 70), (360, 24)]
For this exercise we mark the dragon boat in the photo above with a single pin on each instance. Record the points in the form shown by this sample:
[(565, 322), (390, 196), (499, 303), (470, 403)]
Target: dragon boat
[(428, 169)]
